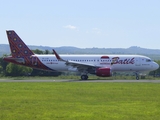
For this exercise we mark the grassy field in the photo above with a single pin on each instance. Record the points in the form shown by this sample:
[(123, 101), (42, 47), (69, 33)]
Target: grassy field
[(79, 101)]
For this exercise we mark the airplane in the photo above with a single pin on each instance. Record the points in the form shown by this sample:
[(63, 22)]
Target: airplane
[(100, 65)]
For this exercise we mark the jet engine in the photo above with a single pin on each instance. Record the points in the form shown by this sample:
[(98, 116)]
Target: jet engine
[(103, 72)]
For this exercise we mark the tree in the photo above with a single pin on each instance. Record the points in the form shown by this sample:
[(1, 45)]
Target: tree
[(1, 70), (37, 51), (17, 70), (3, 64), (46, 52)]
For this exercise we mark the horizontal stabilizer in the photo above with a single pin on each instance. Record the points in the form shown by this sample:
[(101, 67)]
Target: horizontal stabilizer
[(19, 60)]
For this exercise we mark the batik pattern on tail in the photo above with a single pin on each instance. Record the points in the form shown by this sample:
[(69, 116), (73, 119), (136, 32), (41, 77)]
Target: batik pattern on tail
[(20, 50)]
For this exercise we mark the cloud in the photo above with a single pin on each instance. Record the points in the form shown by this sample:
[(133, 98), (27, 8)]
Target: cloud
[(70, 27), (96, 30)]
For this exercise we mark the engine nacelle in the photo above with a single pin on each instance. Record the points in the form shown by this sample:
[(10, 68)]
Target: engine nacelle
[(72, 69), (103, 72)]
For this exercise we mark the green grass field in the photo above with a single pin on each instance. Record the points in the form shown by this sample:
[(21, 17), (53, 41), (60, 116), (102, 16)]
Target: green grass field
[(79, 101)]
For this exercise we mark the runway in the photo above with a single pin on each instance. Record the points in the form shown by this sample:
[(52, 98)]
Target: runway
[(114, 81)]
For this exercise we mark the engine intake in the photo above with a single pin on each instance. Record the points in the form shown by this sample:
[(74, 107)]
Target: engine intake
[(103, 72)]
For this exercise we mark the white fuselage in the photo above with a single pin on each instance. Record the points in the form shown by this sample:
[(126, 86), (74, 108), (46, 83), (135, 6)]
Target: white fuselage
[(135, 63)]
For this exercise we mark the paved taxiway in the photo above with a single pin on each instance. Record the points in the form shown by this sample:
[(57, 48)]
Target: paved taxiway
[(120, 81)]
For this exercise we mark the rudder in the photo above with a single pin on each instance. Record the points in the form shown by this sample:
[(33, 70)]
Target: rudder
[(17, 46)]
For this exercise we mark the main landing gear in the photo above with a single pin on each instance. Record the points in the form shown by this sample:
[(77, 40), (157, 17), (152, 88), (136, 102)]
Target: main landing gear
[(84, 77), (137, 77)]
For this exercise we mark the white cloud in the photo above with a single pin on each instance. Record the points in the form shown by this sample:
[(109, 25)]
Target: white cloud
[(96, 30), (70, 27)]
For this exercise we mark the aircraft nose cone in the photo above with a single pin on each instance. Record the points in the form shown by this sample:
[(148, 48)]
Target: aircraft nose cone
[(156, 66)]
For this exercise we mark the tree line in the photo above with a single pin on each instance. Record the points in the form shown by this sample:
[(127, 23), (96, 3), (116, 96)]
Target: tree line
[(10, 69)]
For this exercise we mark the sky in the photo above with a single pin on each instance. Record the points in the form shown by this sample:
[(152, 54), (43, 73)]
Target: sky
[(83, 23)]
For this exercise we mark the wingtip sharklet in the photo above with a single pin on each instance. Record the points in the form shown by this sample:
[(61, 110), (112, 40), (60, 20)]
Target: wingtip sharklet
[(57, 56)]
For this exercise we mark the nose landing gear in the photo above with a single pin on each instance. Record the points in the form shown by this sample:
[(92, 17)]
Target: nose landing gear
[(137, 76), (84, 77)]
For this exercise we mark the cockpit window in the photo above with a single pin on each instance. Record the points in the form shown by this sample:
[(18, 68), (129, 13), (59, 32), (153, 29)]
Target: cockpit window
[(148, 60)]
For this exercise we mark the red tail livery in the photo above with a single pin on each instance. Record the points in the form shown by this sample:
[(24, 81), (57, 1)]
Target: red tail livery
[(21, 54)]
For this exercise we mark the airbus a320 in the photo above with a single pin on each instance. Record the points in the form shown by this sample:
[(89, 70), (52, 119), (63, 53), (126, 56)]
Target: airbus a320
[(100, 65)]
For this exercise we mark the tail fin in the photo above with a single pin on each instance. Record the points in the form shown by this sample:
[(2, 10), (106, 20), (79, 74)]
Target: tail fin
[(21, 54), (18, 47)]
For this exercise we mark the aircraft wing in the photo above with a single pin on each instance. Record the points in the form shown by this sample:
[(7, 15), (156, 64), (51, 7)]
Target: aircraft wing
[(73, 63), (79, 65)]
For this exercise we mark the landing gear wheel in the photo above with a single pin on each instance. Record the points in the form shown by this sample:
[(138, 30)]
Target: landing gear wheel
[(84, 77), (137, 77)]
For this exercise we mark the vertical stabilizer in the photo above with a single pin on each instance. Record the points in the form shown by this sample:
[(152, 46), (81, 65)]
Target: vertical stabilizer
[(18, 47), (21, 54)]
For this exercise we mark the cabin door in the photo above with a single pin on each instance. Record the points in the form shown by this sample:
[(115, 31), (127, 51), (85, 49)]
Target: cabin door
[(138, 61)]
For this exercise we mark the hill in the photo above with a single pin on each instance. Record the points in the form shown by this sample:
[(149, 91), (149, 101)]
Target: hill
[(153, 53)]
